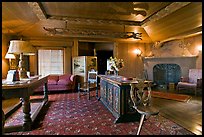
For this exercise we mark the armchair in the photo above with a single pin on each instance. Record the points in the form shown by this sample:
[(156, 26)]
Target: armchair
[(192, 82)]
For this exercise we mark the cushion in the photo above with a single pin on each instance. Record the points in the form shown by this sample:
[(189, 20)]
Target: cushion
[(65, 76), (52, 82), (194, 74), (186, 84), (53, 77), (63, 82)]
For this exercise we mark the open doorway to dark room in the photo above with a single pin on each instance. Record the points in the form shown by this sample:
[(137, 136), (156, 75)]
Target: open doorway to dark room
[(103, 51), (102, 57)]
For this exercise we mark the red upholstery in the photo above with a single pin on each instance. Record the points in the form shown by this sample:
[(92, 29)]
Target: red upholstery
[(52, 82), (53, 77), (60, 82), (64, 82), (65, 77)]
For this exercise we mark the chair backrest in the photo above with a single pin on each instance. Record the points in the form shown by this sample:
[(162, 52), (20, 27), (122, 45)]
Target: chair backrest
[(92, 76), (194, 74), (140, 93)]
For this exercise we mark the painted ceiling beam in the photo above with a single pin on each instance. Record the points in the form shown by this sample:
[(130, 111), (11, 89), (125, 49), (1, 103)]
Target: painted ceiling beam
[(164, 12), (89, 21), (38, 10)]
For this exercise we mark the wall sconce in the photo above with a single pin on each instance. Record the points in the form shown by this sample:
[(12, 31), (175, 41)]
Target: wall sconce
[(10, 56), (22, 48), (137, 52)]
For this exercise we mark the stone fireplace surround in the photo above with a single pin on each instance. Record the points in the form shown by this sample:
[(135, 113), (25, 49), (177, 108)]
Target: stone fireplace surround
[(185, 63)]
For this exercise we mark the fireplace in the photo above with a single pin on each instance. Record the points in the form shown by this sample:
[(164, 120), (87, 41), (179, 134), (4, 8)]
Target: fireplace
[(163, 74), (164, 70)]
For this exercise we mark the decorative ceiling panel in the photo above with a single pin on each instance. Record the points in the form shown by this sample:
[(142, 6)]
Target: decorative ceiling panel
[(156, 21)]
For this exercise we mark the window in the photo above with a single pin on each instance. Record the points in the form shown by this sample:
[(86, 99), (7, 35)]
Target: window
[(50, 61)]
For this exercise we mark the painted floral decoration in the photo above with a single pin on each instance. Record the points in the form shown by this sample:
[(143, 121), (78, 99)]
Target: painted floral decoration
[(116, 64)]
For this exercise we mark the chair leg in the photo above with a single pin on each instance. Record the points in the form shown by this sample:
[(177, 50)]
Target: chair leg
[(140, 125), (88, 94), (78, 93), (78, 90)]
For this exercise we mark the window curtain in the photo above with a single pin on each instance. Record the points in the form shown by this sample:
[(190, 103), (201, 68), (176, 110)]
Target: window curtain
[(50, 62)]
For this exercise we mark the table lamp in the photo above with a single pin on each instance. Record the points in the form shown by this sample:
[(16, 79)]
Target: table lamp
[(21, 48), (10, 56)]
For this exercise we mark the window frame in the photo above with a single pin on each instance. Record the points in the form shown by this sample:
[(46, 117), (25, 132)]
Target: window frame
[(51, 48)]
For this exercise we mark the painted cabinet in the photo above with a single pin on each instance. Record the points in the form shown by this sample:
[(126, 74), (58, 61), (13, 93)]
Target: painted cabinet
[(115, 96)]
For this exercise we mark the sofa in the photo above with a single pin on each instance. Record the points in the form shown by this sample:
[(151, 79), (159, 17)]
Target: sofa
[(60, 83)]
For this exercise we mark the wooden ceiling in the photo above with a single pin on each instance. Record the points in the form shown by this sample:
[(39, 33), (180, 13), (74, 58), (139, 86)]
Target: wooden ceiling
[(157, 21)]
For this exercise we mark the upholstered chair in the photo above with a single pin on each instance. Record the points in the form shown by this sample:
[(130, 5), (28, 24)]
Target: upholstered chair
[(192, 82)]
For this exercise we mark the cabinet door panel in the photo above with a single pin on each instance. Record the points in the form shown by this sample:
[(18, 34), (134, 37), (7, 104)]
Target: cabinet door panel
[(116, 98), (103, 91), (110, 95)]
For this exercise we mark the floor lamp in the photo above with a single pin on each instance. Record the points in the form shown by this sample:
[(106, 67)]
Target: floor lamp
[(21, 48)]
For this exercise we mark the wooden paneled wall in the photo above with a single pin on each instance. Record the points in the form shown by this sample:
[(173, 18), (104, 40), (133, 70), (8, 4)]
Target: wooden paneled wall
[(124, 50), (133, 64), (5, 62)]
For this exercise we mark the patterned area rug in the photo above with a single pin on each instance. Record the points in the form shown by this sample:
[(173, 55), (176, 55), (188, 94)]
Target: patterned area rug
[(172, 96), (65, 114)]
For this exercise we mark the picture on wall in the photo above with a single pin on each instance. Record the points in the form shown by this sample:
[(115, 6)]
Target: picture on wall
[(79, 65), (92, 63)]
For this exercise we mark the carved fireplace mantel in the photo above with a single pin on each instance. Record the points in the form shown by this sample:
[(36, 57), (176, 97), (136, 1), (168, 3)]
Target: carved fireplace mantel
[(172, 57)]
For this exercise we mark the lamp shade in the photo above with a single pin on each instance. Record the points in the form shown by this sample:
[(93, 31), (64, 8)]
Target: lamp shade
[(19, 46), (9, 56)]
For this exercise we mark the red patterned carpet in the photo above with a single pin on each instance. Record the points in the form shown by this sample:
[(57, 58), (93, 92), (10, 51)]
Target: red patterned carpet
[(65, 114)]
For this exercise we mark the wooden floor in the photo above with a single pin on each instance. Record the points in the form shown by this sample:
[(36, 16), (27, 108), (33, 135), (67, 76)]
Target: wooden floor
[(186, 114)]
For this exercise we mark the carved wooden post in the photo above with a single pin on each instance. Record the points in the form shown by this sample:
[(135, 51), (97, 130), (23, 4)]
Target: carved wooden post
[(45, 89), (26, 110)]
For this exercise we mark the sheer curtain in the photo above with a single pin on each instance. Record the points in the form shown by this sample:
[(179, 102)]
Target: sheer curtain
[(50, 61)]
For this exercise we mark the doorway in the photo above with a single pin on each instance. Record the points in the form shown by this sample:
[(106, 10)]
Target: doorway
[(102, 56), (103, 51)]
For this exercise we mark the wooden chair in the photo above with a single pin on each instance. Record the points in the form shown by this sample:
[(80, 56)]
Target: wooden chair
[(192, 82), (140, 94), (91, 84)]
